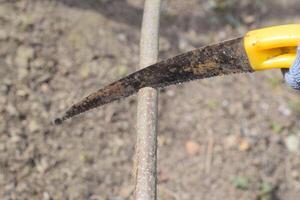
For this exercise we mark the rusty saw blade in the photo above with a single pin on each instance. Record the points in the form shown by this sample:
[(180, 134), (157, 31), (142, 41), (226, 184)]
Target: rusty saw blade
[(214, 60)]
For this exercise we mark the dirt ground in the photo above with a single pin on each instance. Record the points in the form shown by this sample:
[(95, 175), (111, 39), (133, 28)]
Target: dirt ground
[(232, 137)]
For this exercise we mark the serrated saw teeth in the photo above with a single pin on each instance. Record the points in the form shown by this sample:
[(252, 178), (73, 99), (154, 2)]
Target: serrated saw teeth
[(268, 48)]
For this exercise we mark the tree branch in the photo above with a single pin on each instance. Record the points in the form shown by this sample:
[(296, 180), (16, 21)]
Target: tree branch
[(146, 147)]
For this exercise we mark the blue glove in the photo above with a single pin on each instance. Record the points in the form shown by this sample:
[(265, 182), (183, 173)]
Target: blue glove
[(292, 76)]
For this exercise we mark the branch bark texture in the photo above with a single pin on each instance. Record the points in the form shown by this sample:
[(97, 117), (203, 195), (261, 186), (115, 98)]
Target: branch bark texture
[(146, 147)]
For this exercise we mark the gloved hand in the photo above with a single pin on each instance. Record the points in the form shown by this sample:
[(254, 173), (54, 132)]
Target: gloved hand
[(292, 76)]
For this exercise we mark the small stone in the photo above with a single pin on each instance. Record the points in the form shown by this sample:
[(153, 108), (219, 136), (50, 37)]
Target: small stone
[(85, 71), (122, 71), (122, 37), (164, 44), (42, 166), (284, 110), (24, 54), (2, 147), (38, 63), (3, 34), (46, 196), (22, 93), (170, 93), (225, 103), (249, 19), (295, 174), (15, 138), (44, 88), (244, 145), (184, 44), (33, 126), (11, 110), (192, 148), (162, 140), (10, 186), (231, 141), (162, 176), (9, 60), (22, 73), (292, 143), (126, 191), (87, 159)]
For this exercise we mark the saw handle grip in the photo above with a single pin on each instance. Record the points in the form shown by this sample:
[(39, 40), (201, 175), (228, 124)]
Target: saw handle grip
[(272, 47)]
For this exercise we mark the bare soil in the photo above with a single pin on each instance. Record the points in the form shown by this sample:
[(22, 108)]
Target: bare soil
[(232, 137)]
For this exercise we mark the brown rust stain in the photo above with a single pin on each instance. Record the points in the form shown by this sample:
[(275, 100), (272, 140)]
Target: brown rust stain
[(203, 67)]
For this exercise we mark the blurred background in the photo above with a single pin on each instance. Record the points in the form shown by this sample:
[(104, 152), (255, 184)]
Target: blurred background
[(232, 137)]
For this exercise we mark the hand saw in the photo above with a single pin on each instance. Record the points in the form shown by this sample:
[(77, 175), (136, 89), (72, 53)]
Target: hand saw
[(262, 49)]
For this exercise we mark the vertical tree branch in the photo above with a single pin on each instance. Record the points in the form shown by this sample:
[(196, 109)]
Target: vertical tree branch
[(146, 147)]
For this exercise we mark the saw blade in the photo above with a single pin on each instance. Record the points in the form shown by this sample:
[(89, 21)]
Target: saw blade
[(214, 60)]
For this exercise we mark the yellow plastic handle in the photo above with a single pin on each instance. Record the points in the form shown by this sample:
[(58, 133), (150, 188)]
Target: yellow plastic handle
[(272, 47)]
